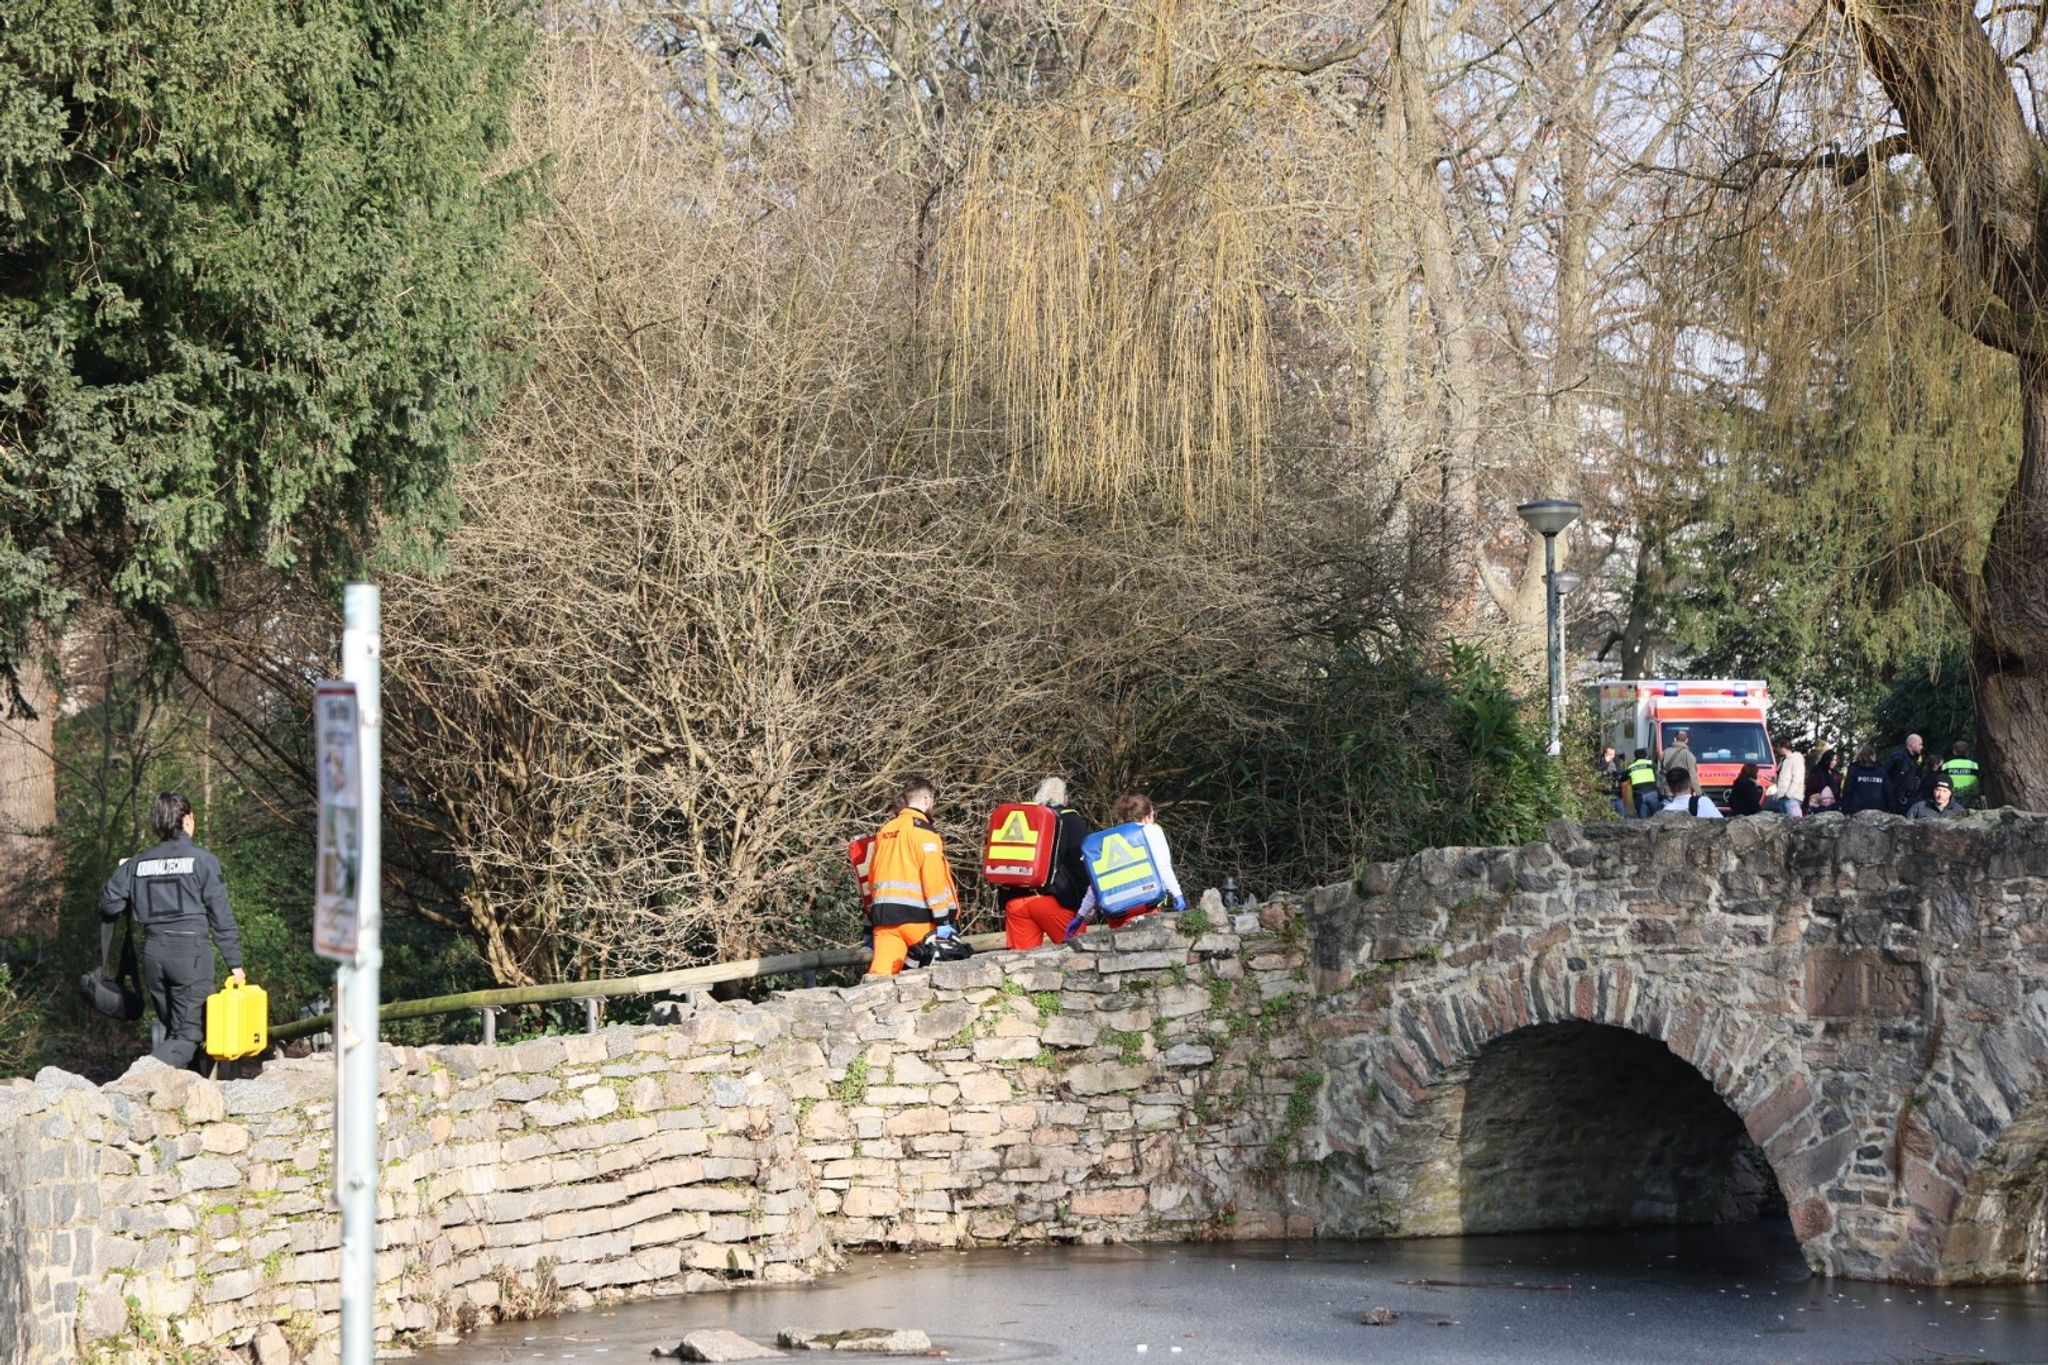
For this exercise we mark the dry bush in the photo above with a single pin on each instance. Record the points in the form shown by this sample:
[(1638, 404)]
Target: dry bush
[(719, 585)]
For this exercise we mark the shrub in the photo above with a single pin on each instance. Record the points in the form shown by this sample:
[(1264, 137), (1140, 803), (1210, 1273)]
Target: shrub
[(21, 1027)]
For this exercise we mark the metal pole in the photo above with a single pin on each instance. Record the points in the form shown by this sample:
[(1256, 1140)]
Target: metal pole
[(1553, 646), (355, 1119)]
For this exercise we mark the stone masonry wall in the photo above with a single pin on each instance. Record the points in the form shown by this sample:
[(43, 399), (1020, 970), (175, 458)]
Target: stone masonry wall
[(1146, 1084), (1868, 995)]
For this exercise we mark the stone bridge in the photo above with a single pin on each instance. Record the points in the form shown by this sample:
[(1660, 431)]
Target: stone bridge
[(1839, 1021), (1689, 1021)]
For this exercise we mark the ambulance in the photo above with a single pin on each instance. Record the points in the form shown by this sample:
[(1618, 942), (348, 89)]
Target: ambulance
[(1727, 719)]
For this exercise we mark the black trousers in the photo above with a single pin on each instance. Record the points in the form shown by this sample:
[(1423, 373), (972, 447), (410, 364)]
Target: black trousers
[(177, 975)]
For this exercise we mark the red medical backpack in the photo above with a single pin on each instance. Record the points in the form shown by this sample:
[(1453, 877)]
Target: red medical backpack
[(861, 853), (1019, 847)]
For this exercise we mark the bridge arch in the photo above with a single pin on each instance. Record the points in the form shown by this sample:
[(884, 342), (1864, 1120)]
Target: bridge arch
[(1560, 1093), (1869, 996)]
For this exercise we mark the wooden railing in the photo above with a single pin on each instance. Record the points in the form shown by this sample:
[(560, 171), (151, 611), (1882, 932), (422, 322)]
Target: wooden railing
[(591, 992)]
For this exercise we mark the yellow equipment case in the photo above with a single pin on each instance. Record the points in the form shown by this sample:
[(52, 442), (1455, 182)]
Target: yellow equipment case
[(237, 1022)]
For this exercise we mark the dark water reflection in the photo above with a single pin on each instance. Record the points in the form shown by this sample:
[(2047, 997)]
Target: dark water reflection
[(1704, 1294)]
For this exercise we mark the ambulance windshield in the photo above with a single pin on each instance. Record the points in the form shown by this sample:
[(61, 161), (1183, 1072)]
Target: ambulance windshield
[(1722, 741)]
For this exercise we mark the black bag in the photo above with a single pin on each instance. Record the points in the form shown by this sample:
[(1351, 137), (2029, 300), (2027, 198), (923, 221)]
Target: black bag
[(929, 951), (116, 993)]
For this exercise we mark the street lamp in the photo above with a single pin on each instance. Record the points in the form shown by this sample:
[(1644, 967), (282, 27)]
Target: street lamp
[(1546, 517), (1567, 583)]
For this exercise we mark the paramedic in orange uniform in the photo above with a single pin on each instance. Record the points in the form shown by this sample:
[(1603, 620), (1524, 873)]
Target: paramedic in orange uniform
[(913, 886), (1032, 917)]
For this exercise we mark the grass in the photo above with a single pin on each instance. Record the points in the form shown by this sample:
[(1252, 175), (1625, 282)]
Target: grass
[(1301, 1109), (1130, 1046), (853, 1087)]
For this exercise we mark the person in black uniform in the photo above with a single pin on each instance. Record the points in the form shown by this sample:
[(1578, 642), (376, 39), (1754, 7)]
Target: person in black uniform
[(180, 899)]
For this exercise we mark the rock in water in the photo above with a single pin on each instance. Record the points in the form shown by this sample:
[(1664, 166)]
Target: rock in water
[(1378, 1317), (715, 1343), (868, 1340)]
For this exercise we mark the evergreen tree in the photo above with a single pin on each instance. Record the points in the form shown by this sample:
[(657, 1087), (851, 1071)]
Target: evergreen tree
[(254, 285)]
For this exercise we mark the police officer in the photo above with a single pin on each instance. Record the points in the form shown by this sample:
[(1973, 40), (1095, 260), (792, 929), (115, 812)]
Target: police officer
[(179, 897), (1642, 783), (1963, 774)]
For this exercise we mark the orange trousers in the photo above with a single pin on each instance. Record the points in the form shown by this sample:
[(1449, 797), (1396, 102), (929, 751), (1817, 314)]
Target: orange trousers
[(1119, 921), (892, 945), (1029, 921)]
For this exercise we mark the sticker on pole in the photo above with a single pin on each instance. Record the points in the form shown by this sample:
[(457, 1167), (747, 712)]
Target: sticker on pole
[(338, 762)]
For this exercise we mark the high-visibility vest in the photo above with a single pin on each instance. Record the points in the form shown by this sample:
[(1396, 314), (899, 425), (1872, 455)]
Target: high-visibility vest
[(1121, 869), (1642, 773), (1962, 775)]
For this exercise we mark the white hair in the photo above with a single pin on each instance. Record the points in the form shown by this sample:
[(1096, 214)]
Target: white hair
[(1051, 792)]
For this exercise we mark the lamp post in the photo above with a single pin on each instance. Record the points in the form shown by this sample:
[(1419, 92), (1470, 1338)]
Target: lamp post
[(1547, 517), (1566, 582)]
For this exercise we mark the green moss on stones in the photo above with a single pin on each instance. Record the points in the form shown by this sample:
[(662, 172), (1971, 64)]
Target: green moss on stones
[(853, 1088)]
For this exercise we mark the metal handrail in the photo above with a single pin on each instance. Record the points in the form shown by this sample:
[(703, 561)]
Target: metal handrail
[(654, 983)]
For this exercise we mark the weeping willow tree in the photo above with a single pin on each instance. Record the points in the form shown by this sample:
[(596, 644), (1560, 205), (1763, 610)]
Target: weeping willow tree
[(1955, 74), (1110, 255), (1848, 453), (1860, 461)]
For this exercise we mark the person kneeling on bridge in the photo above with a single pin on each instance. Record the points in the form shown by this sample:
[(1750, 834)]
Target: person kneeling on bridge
[(914, 896), (1031, 916), (1134, 811)]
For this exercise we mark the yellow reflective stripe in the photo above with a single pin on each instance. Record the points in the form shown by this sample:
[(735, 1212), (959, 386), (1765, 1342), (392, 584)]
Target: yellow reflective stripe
[(1019, 852), (1125, 876)]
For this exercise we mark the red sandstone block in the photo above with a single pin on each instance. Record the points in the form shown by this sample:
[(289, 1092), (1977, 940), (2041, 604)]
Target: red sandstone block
[(1683, 1037), (1778, 1108), (1398, 1072), (1811, 1218), (1930, 1193)]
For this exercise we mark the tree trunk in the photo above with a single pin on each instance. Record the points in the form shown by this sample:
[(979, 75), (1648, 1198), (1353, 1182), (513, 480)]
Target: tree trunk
[(1633, 660), (28, 810), (1458, 368), (2011, 625)]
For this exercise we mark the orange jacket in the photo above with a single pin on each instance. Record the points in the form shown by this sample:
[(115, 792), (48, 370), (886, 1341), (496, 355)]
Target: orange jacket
[(912, 883)]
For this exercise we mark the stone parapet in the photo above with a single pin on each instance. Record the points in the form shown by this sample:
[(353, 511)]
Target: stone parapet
[(1633, 1022), (1150, 1084)]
